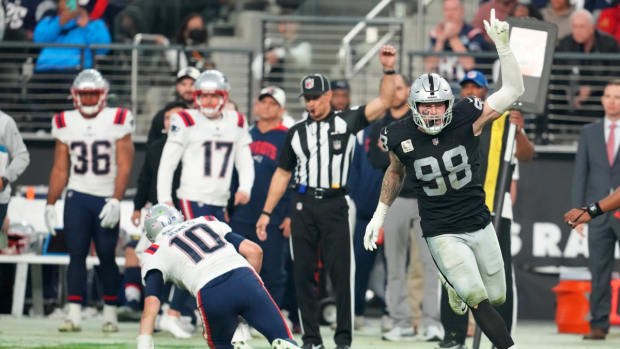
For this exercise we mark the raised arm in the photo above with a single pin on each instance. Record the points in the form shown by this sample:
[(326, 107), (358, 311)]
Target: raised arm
[(512, 79), (377, 107)]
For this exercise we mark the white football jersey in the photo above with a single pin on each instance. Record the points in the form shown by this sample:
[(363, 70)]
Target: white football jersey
[(193, 253), (92, 147), (210, 150)]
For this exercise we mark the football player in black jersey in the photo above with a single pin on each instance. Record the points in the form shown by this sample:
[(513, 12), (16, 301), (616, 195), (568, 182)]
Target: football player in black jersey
[(439, 147)]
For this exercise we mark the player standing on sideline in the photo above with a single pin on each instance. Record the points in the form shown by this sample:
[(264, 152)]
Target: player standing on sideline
[(205, 257), (443, 158), (208, 140), (95, 142)]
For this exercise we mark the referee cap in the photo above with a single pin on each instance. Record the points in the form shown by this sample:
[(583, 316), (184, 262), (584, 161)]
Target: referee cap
[(314, 85)]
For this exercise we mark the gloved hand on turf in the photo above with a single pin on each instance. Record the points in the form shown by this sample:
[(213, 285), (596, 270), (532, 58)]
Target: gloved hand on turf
[(498, 32), (50, 219), (110, 213), (374, 226), (145, 341)]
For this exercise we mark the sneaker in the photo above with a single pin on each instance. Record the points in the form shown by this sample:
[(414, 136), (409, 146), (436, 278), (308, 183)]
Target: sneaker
[(358, 322), (280, 343), (69, 326), (241, 335), (399, 334), (450, 344), (109, 327), (386, 323), (241, 345), (173, 325), (312, 346), (433, 334)]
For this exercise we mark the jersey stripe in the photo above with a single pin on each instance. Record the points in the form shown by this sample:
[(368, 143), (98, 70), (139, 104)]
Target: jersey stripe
[(187, 119), (117, 117), (60, 120), (152, 249), (240, 120), (210, 218), (205, 323), (260, 281), (123, 115)]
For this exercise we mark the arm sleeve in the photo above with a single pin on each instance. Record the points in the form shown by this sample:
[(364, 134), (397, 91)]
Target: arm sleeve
[(144, 182), (244, 163), (580, 172), (48, 29), (356, 119), (98, 33), (170, 157), (288, 160), (154, 283), (235, 239), (18, 154)]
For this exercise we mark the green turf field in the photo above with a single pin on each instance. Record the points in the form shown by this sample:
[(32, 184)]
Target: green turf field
[(41, 333)]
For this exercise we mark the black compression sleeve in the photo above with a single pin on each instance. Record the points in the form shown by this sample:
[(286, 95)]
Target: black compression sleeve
[(154, 284)]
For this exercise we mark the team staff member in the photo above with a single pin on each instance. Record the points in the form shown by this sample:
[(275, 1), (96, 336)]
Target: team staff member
[(320, 150), (14, 158)]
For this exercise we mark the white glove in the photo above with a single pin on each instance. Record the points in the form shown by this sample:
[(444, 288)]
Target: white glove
[(374, 226), (50, 219), (110, 213), (145, 341), (498, 32)]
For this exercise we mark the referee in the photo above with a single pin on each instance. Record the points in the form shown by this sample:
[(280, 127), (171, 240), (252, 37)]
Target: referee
[(319, 149)]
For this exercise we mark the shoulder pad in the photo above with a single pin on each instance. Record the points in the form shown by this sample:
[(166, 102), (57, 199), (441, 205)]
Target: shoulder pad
[(187, 118), (120, 116), (59, 120)]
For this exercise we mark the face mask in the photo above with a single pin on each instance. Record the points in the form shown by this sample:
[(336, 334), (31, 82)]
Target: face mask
[(197, 36)]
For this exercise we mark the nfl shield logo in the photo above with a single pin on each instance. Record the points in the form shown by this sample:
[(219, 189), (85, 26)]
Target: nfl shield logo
[(309, 83), (435, 141), (337, 144)]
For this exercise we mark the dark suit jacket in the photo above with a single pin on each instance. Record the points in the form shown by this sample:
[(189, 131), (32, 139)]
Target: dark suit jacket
[(593, 178)]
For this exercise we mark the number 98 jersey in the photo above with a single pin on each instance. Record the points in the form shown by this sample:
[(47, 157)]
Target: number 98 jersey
[(445, 168), (92, 147), (193, 253)]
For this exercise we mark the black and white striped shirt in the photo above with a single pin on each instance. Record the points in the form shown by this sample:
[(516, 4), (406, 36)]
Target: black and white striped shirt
[(320, 152)]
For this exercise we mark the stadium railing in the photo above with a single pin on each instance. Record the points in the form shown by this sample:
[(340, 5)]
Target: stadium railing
[(140, 76), (562, 121)]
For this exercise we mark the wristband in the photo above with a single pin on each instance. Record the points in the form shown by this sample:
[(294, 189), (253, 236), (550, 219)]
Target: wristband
[(266, 213), (594, 210), (389, 72)]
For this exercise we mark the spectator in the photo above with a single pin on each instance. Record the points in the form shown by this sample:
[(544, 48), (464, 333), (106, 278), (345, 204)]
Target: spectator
[(287, 49), (559, 12), (453, 34), (57, 66), (503, 9), (595, 175), (341, 95), (585, 38), (525, 8), (184, 94), (14, 159), (22, 16), (268, 136), (192, 33), (609, 20)]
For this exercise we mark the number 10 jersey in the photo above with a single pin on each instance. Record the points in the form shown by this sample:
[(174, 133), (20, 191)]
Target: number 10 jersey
[(445, 168), (92, 147)]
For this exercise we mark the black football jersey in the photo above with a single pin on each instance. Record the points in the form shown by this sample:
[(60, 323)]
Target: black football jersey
[(446, 170)]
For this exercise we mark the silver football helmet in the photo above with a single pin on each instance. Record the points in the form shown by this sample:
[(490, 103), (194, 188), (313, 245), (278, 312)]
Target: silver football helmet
[(158, 218), (211, 81), (89, 80), (431, 88)]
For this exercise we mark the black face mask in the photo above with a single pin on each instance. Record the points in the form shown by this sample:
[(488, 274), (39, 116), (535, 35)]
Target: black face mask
[(197, 36)]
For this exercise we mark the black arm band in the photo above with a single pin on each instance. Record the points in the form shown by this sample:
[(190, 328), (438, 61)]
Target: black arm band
[(268, 214), (235, 239), (389, 72), (594, 209), (154, 281)]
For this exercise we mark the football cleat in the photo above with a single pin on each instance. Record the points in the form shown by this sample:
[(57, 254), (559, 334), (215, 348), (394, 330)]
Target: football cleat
[(69, 326), (280, 343), (109, 327), (173, 325), (241, 344)]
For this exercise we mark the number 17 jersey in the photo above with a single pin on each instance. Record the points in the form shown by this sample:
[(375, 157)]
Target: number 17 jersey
[(446, 170)]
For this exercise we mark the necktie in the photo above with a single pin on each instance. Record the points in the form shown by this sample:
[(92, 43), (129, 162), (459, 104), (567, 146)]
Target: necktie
[(611, 144)]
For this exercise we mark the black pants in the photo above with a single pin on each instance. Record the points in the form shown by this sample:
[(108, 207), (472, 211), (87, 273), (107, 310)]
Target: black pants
[(322, 224), (455, 326)]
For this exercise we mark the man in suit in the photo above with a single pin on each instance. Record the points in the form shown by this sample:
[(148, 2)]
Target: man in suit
[(596, 173)]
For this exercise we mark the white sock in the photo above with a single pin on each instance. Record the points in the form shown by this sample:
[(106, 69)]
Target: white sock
[(132, 293), (109, 313), (75, 313)]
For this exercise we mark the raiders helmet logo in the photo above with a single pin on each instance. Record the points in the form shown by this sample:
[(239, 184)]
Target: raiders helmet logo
[(309, 83)]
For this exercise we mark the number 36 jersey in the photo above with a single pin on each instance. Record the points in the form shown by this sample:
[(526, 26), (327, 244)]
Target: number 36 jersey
[(193, 253), (445, 168), (92, 147)]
